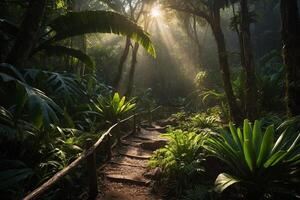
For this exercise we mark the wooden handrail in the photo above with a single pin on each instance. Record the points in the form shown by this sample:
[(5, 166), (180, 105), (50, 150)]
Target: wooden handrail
[(84, 156)]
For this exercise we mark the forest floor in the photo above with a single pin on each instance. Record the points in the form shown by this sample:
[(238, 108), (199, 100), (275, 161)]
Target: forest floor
[(127, 176)]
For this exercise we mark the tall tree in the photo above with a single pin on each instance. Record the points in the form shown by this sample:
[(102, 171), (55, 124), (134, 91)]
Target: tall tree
[(122, 61), (291, 53), (190, 25), (136, 13), (78, 42), (132, 69), (248, 62), (132, 9), (210, 11), (28, 33)]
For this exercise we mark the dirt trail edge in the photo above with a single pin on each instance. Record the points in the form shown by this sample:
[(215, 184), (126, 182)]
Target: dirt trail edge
[(126, 176)]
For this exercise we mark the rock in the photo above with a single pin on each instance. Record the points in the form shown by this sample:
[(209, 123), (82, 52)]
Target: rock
[(153, 145), (169, 121), (115, 196), (153, 174)]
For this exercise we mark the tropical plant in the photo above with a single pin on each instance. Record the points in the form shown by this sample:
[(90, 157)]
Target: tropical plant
[(13, 175), (42, 108), (256, 159), (202, 121), (35, 130), (180, 160), (88, 22), (198, 122), (112, 107), (199, 192), (79, 23)]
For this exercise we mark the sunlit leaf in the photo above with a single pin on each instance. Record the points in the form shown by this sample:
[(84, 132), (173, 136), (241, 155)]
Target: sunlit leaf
[(223, 181), (78, 23)]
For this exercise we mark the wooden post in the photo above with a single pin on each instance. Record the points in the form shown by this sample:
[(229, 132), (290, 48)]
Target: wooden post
[(92, 172), (139, 123), (149, 117), (117, 133), (134, 124), (108, 147)]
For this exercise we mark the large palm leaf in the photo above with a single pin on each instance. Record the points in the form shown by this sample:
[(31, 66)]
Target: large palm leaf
[(79, 23), (57, 50), (43, 110), (64, 85)]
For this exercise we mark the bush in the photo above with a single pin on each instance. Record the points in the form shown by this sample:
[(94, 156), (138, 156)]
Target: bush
[(180, 160)]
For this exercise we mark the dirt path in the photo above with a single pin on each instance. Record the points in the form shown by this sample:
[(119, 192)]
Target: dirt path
[(126, 176)]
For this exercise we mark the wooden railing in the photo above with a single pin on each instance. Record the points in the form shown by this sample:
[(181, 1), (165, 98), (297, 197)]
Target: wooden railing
[(89, 156)]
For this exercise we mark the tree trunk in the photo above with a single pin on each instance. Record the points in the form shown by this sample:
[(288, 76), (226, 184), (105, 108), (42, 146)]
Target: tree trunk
[(234, 109), (132, 69), (247, 62), (79, 42), (198, 43), (291, 54), (192, 32), (242, 56), (27, 37), (123, 59)]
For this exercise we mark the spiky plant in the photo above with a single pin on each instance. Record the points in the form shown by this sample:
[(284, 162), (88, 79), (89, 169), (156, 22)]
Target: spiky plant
[(255, 158)]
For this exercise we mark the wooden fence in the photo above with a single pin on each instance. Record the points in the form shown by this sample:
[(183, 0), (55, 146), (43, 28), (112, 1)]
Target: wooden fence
[(89, 156)]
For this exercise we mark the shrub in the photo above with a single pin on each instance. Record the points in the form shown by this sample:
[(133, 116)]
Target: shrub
[(180, 160)]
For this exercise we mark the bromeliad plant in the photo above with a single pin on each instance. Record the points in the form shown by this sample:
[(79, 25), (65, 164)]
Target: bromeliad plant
[(255, 158), (113, 107)]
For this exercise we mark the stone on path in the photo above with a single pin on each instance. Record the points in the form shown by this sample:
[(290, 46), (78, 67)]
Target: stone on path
[(126, 175)]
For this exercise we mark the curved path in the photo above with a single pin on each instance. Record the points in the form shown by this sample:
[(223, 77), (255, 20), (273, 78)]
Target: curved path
[(126, 176)]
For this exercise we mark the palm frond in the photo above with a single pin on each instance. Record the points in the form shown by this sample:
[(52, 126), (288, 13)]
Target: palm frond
[(56, 50), (79, 23)]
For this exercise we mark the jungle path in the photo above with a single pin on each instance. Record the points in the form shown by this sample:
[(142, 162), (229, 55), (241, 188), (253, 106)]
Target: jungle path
[(126, 176)]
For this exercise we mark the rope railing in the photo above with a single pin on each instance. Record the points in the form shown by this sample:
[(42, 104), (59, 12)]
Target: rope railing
[(89, 156)]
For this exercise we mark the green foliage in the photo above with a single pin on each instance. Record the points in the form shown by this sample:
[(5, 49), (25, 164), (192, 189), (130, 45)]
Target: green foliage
[(13, 176), (271, 90), (235, 21), (78, 23), (146, 100), (112, 107), (198, 122), (56, 50), (199, 79), (42, 108), (35, 130), (63, 85), (202, 120), (254, 157), (199, 192), (180, 160)]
